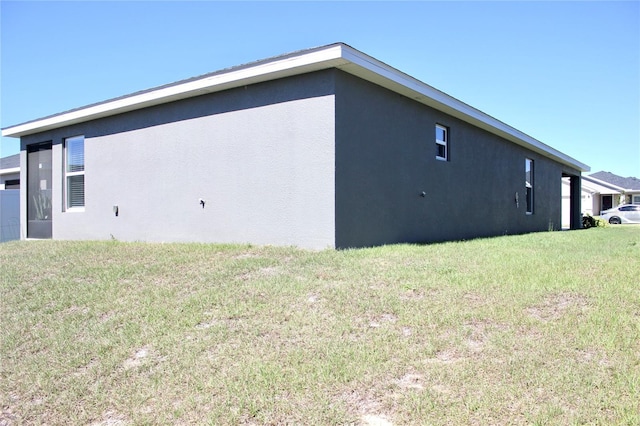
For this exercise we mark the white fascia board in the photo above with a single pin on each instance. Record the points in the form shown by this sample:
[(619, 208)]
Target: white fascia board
[(277, 68), (597, 188), (607, 188), (9, 171)]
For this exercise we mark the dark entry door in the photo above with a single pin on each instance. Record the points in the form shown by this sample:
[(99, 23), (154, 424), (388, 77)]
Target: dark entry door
[(39, 190), (607, 202)]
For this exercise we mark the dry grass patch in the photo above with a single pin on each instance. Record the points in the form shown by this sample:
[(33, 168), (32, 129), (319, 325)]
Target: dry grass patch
[(513, 330), (555, 306)]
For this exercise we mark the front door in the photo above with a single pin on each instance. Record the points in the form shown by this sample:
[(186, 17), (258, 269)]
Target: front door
[(607, 202), (39, 190)]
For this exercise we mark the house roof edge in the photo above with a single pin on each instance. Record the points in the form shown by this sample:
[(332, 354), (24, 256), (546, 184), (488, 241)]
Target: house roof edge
[(337, 55), (604, 183)]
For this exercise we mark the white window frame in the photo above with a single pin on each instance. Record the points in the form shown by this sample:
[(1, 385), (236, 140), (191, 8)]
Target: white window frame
[(68, 174), (529, 203), (635, 199), (444, 143)]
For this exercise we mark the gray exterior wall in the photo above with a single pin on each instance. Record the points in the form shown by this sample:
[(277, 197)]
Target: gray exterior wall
[(386, 157), (318, 160), (262, 157), (9, 215)]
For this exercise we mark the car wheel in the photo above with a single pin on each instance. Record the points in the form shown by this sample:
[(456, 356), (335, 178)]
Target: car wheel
[(615, 220)]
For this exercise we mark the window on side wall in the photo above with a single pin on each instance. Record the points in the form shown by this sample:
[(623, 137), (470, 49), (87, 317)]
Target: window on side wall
[(529, 183), (442, 143), (74, 173)]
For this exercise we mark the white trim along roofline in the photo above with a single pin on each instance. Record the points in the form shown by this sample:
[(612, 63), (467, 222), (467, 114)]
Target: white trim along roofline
[(594, 187), (608, 185), (9, 171), (338, 55)]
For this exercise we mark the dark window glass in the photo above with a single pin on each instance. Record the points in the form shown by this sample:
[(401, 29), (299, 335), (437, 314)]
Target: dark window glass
[(75, 154), (12, 184), (528, 183), (75, 191)]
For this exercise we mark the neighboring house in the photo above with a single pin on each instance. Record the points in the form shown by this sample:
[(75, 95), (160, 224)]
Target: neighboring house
[(10, 198), (10, 172), (589, 194), (602, 191), (612, 190), (326, 147)]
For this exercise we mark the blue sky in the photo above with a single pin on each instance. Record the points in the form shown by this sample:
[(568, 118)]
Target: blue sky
[(566, 73)]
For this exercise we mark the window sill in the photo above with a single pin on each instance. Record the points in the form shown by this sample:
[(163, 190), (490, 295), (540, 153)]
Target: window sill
[(75, 210)]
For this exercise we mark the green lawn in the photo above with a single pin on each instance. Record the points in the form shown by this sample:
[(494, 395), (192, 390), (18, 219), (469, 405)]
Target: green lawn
[(534, 329)]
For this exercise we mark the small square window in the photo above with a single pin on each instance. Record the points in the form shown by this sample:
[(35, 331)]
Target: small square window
[(442, 143)]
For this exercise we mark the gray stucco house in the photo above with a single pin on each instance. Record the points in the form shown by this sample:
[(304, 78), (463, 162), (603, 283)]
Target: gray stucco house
[(326, 147)]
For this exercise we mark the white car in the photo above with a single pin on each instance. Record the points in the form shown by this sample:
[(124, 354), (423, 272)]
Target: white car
[(627, 213)]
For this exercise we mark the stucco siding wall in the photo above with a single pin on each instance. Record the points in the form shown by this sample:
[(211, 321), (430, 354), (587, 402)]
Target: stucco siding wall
[(9, 215), (386, 158), (262, 158)]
